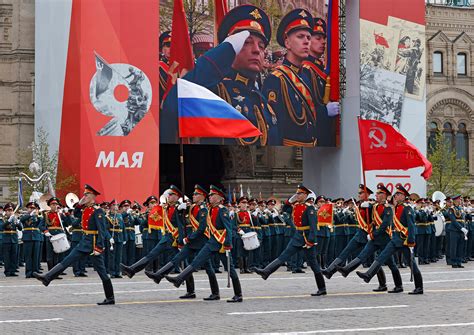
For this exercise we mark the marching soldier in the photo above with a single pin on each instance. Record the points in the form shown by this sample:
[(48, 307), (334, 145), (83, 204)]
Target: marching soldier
[(304, 220), (31, 238), (193, 243), (220, 243), (363, 214), (116, 229), (52, 225), (92, 243), (9, 225), (457, 232), (286, 92), (79, 266), (323, 233), (379, 235), (173, 233), (317, 80), (403, 237), (230, 70)]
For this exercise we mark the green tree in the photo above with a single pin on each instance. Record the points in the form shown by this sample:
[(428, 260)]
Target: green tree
[(38, 152), (449, 173)]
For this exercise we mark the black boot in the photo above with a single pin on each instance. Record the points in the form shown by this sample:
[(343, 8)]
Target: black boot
[(109, 293), (246, 265), (382, 282), (160, 274), (179, 279), (190, 294), (397, 279), (418, 283), (269, 269), (332, 268), (345, 270), (237, 291), (241, 265), (321, 285), (417, 290), (214, 288), (50, 275), (130, 271), (367, 276)]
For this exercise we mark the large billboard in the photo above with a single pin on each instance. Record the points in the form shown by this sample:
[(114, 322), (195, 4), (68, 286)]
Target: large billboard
[(97, 92), (392, 78), (283, 83)]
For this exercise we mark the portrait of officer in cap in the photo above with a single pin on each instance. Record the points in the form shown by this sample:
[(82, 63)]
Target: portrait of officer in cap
[(286, 92), (230, 70)]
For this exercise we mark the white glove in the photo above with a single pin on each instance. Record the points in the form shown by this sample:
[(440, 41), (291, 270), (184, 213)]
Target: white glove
[(65, 210), (124, 242), (365, 204), (464, 230), (112, 241), (369, 238), (48, 234), (412, 249), (237, 40), (12, 219), (129, 210), (181, 206), (256, 212), (292, 199), (232, 213), (274, 215), (96, 253), (241, 232), (185, 240), (267, 211), (333, 109)]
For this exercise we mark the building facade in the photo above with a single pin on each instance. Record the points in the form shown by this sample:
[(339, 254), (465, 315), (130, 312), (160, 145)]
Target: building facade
[(450, 77)]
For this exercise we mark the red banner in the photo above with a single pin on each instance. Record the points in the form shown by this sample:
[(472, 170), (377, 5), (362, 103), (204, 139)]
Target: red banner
[(109, 126)]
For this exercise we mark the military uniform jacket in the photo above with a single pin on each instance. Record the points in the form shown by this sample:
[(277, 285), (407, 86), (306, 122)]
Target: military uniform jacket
[(351, 223), (314, 76), (213, 70), (304, 219), (31, 227), (422, 223), (129, 222), (457, 217), (257, 225), (293, 104), (52, 222), (403, 228), (176, 220), (94, 227), (9, 231), (76, 231), (381, 234), (218, 218), (199, 234), (116, 227), (361, 233), (339, 223)]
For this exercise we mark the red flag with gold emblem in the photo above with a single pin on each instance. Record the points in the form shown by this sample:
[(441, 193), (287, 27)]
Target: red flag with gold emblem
[(181, 53), (325, 214), (155, 218)]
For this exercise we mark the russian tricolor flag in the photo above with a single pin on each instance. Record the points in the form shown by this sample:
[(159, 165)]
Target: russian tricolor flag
[(201, 113)]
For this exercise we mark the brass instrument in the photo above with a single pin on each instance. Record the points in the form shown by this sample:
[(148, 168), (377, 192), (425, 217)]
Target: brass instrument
[(438, 195)]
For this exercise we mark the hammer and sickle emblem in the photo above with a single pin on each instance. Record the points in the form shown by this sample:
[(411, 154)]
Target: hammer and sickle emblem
[(378, 137)]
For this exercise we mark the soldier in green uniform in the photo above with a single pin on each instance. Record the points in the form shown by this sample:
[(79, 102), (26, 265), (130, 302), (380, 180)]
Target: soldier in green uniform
[(92, 243), (220, 243), (323, 233), (79, 266), (9, 225), (423, 232), (151, 233), (116, 229), (286, 92), (339, 229), (314, 75), (447, 229), (31, 238), (403, 238), (457, 232), (128, 256)]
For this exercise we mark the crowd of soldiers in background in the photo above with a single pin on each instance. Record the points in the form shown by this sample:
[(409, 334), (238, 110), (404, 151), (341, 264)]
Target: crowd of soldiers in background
[(25, 237)]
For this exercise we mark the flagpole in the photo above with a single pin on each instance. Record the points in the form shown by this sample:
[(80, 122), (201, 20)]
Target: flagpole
[(181, 164), (362, 156)]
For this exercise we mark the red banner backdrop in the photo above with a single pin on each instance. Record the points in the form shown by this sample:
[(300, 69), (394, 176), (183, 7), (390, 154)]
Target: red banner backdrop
[(109, 126)]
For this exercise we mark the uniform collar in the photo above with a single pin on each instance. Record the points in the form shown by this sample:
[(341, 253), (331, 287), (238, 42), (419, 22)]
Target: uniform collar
[(291, 65)]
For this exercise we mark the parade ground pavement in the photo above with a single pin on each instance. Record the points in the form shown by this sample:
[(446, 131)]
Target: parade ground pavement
[(281, 304)]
